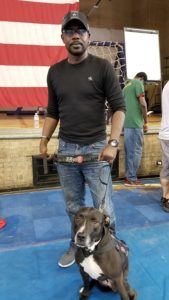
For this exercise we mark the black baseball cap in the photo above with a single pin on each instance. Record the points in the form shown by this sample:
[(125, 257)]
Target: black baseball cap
[(75, 15)]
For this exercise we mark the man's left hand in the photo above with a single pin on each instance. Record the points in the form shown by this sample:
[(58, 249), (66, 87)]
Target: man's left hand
[(108, 153)]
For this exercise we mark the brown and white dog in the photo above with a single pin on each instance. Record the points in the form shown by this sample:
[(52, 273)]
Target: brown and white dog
[(100, 256)]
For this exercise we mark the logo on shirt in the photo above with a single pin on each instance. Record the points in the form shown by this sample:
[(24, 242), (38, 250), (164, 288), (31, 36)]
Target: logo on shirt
[(74, 14), (90, 78)]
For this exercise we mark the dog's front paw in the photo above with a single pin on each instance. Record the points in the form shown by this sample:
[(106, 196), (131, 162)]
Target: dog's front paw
[(132, 294), (84, 293)]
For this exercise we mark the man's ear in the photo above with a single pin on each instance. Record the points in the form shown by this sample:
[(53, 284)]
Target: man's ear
[(62, 37)]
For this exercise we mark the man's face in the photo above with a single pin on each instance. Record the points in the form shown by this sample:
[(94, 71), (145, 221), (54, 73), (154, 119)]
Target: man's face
[(76, 38)]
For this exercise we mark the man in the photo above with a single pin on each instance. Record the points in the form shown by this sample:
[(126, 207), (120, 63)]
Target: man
[(164, 141), (77, 89), (135, 125)]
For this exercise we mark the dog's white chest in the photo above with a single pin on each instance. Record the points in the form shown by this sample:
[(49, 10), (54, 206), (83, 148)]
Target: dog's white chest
[(91, 267)]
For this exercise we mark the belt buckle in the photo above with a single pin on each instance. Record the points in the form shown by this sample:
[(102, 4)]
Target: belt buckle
[(70, 159)]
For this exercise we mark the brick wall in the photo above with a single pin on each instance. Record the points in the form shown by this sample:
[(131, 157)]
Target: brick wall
[(150, 155), (16, 159)]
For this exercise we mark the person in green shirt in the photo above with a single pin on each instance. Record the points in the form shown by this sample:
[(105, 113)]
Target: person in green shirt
[(135, 125)]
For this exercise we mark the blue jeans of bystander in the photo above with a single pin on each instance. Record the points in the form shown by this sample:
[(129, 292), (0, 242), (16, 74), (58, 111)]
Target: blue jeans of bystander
[(74, 176), (133, 142)]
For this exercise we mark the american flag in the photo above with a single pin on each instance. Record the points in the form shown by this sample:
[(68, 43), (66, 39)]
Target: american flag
[(29, 43)]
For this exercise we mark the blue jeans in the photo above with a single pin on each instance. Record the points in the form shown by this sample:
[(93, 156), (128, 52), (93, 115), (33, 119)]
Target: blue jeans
[(133, 143), (96, 174)]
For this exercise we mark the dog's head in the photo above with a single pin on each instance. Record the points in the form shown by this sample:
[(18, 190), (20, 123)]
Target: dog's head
[(88, 227)]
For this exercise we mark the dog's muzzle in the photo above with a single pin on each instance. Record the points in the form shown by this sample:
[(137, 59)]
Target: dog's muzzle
[(81, 240)]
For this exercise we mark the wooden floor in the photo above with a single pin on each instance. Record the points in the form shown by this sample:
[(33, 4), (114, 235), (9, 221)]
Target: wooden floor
[(26, 121), (19, 121)]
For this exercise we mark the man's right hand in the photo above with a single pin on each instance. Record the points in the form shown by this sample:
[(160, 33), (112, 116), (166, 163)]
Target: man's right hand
[(48, 129), (44, 149)]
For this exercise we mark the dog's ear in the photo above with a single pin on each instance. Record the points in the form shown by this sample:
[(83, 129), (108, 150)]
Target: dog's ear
[(106, 220)]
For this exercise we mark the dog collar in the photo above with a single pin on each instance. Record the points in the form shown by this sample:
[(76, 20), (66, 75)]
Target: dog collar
[(107, 244)]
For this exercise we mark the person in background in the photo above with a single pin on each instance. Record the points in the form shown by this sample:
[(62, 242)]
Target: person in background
[(135, 125), (78, 87), (164, 142)]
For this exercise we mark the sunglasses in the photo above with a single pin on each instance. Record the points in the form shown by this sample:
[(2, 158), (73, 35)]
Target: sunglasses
[(71, 32)]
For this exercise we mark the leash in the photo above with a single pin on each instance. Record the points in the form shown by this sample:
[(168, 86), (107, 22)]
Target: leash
[(75, 159), (105, 183), (68, 159)]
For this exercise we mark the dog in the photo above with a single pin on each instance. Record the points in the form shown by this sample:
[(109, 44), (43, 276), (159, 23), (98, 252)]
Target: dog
[(102, 258)]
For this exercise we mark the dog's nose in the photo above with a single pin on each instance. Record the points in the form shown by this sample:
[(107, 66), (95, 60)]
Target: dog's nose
[(81, 236)]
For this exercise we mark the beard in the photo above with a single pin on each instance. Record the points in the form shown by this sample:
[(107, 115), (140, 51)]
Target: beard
[(77, 49)]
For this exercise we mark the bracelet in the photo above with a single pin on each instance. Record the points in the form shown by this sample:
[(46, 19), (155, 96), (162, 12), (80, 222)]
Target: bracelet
[(45, 137)]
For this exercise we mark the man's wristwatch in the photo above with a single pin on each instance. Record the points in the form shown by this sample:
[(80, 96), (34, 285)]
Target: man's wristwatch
[(113, 143)]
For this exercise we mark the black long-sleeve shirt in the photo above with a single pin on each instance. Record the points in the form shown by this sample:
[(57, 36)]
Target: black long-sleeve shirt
[(76, 97)]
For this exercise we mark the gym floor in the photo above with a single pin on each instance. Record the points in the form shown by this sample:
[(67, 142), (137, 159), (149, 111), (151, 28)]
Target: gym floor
[(37, 233)]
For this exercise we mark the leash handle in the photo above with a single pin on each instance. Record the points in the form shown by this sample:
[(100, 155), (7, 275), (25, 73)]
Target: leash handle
[(75, 158)]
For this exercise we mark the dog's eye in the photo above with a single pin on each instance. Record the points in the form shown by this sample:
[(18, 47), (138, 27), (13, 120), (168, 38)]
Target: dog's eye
[(79, 218)]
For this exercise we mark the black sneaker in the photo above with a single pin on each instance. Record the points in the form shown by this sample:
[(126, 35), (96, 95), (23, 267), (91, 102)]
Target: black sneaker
[(68, 258)]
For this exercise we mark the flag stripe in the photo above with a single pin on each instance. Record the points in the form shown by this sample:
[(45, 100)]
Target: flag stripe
[(30, 34), (42, 13), (50, 1), (23, 97), (29, 43), (31, 55), (23, 76)]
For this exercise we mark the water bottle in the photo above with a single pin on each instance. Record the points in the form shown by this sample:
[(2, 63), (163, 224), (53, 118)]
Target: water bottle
[(36, 120)]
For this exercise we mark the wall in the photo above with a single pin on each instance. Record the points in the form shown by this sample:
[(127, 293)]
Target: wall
[(16, 158), (16, 161), (105, 34), (109, 14), (147, 14), (150, 155)]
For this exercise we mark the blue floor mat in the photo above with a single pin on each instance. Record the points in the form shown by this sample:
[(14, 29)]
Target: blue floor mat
[(33, 273), (37, 234)]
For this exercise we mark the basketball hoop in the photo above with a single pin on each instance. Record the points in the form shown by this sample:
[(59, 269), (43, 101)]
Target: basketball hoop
[(2, 223)]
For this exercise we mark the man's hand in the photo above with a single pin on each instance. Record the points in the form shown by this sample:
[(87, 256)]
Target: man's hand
[(43, 149), (108, 153), (145, 127), (48, 129)]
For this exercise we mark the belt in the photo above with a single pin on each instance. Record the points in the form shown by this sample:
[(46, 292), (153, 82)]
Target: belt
[(75, 159)]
